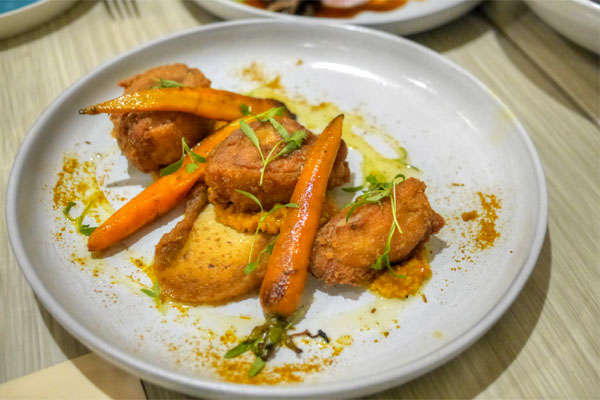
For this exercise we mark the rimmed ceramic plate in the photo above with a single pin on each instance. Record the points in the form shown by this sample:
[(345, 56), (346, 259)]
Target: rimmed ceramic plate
[(18, 16), (413, 17), (462, 138), (577, 20)]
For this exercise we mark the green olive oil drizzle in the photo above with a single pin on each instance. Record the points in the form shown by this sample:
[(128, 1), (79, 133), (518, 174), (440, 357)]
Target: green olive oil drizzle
[(315, 117)]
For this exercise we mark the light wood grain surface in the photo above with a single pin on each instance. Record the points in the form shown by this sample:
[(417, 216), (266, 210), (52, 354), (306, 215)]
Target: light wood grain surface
[(546, 346)]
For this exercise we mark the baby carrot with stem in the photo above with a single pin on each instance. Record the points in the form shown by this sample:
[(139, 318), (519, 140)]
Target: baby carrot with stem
[(287, 269), (160, 197), (204, 102)]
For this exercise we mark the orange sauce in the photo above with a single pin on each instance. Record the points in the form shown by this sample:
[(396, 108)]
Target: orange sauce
[(416, 269), (247, 222), (331, 12), (488, 234)]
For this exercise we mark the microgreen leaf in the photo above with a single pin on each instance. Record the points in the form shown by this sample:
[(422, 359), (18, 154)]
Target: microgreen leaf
[(375, 193), (377, 265), (191, 167), (249, 132), (394, 274), (273, 112), (393, 204), (269, 248), (279, 128), (292, 142), (67, 210), (197, 157), (166, 83), (238, 350), (172, 168), (262, 117), (250, 196), (194, 156), (154, 293), (372, 180), (245, 110), (353, 208), (87, 230), (148, 292), (298, 137), (280, 206), (84, 229), (352, 189), (256, 367), (251, 266)]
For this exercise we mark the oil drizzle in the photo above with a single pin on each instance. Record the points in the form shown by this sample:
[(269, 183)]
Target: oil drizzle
[(355, 131)]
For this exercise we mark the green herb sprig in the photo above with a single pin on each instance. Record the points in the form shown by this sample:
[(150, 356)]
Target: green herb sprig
[(252, 265), (84, 229), (290, 142), (190, 167), (375, 192), (166, 83), (266, 339), (154, 293), (264, 116)]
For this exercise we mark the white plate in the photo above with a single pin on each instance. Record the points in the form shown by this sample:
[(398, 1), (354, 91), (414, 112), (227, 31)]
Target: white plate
[(454, 129), (22, 19), (414, 17), (577, 20)]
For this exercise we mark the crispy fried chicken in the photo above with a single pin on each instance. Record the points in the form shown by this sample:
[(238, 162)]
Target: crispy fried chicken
[(343, 252)]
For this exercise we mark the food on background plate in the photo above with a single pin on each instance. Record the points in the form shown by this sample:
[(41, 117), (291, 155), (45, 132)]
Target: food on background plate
[(326, 8), (259, 164)]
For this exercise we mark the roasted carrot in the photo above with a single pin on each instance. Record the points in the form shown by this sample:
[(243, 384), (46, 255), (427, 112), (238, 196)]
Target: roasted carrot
[(158, 198), (287, 269), (205, 102)]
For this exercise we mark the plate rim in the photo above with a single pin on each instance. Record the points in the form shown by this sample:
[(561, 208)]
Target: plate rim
[(36, 13), (24, 8), (193, 385)]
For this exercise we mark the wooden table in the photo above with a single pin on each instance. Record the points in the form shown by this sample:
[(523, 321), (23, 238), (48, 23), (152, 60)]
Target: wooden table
[(546, 345)]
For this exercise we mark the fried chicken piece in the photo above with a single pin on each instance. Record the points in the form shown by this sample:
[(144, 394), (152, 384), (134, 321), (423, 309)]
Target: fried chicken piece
[(343, 252), (236, 164), (152, 139), (202, 262)]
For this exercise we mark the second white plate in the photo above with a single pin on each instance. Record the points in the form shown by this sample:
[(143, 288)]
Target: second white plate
[(413, 17)]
